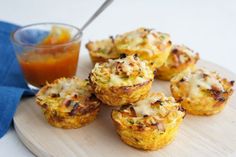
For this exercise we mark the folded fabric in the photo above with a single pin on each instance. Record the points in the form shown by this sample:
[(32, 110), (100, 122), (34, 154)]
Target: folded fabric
[(12, 83)]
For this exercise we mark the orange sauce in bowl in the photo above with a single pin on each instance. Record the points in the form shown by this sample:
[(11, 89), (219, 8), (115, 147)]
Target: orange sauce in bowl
[(47, 64)]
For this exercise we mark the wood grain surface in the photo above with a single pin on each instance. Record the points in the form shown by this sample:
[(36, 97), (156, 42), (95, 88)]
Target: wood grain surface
[(197, 136)]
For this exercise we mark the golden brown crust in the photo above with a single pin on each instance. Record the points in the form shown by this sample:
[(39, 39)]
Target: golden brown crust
[(121, 81), (117, 96), (102, 50), (149, 124), (65, 121), (68, 103), (148, 140), (205, 95), (180, 59), (148, 44)]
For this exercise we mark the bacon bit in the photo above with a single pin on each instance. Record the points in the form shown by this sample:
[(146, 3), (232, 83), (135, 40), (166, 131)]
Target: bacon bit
[(157, 102), (145, 115), (188, 60), (140, 126), (160, 127), (182, 80), (56, 118), (133, 112), (55, 95), (222, 99), (217, 94), (215, 88), (204, 75), (180, 108), (92, 96), (136, 140), (88, 109), (175, 51), (135, 56), (179, 100), (122, 56), (74, 110), (131, 64), (75, 96), (67, 103), (125, 106), (45, 105), (232, 82)]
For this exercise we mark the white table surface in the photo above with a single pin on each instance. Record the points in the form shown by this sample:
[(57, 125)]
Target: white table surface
[(207, 26)]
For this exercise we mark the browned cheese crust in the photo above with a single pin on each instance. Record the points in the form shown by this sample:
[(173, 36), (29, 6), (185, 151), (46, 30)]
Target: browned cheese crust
[(68, 103), (201, 92)]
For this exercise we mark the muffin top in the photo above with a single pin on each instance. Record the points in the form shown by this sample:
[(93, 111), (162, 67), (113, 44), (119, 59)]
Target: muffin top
[(125, 71), (200, 82), (181, 55), (104, 48), (155, 111), (143, 40), (69, 95)]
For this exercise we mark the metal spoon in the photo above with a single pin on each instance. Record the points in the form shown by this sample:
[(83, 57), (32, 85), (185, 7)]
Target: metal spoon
[(99, 11)]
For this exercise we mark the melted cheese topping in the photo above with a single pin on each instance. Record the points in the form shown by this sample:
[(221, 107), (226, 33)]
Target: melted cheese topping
[(202, 79), (180, 54), (143, 107), (68, 87), (154, 105), (185, 49), (142, 39), (65, 90), (155, 111), (104, 48), (122, 72)]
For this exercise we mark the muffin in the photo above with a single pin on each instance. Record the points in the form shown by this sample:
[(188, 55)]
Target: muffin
[(102, 50), (180, 59), (121, 81), (149, 124), (68, 103), (148, 44), (201, 92)]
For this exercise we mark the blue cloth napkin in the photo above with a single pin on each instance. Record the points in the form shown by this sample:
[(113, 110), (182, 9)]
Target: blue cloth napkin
[(12, 83)]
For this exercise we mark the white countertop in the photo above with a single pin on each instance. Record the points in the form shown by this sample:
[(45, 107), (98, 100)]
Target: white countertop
[(208, 27)]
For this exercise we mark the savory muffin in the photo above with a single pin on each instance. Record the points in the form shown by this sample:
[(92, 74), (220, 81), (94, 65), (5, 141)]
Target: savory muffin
[(102, 50), (148, 44), (179, 59), (201, 92), (68, 103), (149, 124), (121, 81)]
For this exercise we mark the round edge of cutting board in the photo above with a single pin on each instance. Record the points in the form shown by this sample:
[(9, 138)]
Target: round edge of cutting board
[(29, 145), (36, 150)]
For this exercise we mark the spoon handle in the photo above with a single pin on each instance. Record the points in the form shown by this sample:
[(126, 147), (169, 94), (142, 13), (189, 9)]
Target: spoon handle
[(100, 9)]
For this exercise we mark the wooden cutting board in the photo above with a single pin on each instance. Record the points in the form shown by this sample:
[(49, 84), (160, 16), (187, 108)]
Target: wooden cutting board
[(197, 136)]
